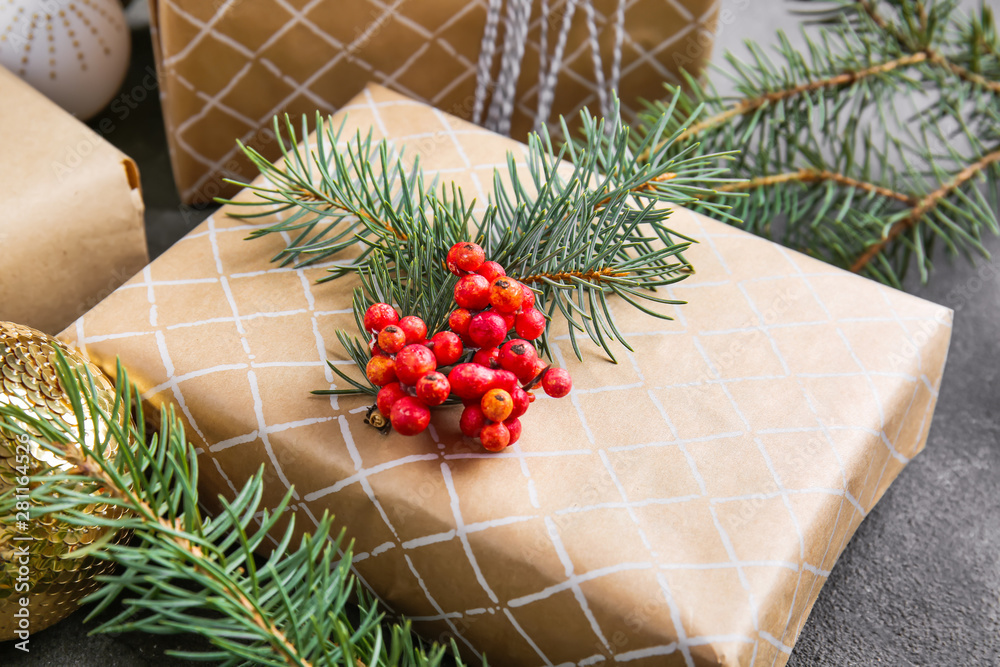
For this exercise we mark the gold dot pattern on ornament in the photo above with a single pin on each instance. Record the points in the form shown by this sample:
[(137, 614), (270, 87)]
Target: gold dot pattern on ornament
[(84, 22)]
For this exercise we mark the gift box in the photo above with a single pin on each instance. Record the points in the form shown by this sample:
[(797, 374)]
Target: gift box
[(71, 230), (227, 68), (682, 507)]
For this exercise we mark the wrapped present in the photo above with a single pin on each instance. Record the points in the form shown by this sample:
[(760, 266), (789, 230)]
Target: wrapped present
[(682, 507), (227, 68), (71, 230)]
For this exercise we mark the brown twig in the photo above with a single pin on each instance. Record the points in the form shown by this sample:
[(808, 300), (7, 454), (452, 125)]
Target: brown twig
[(964, 73), (306, 195), (873, 14), (922, 207), (567, 276), (817, 176), (753, 103), (645, 187), (842, 79)]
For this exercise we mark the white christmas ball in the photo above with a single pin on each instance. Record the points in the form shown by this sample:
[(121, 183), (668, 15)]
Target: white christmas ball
[(76, 52)]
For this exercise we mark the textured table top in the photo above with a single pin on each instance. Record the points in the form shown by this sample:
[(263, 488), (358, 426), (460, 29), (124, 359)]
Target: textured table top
[(919, 584)]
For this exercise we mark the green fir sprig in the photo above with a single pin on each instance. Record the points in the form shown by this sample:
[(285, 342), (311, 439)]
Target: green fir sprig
[(578, 223), (870, 147), (185, 572)]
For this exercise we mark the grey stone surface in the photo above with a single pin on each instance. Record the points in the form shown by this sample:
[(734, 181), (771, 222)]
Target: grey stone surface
[(919, 584)]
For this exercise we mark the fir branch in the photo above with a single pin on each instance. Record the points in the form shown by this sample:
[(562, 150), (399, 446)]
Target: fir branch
[(864, 145), (962, 72), (746, 106), (580, 223), (184, 572), (923, 207)]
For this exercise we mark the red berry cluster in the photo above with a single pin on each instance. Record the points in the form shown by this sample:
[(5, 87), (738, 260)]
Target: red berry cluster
[(495, 385)]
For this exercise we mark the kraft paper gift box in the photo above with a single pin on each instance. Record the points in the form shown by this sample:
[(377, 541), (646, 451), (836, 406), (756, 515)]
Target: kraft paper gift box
[(71, 224), (227, 68), (682, 507)]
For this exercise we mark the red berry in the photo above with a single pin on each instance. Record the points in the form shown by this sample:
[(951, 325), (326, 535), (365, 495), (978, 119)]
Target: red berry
[(414, 328), (495, 437), (409, 416), (447, 348), (531, 375), (472, 292), (470, 380), (392, 339), (433, 388), (379, 316), (508, 318), (465, 257), (528, 300), (518, 356), (387, 397), (376, 350), (491, 271), (459, 320), (486, 357), (487, 329), (497, 405), (514, 428), (472, 421), (534, 378), (556, 382), (506, 294), (381, 371), (521, 402), (413, 362), (530, 324), (504, 380)]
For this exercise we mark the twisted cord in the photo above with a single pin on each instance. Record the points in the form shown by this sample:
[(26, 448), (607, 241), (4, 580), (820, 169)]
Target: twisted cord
[(616, 61), (546, 90), (517, 20), (515, 38), (543, 43), (595, 54), (486, 51)]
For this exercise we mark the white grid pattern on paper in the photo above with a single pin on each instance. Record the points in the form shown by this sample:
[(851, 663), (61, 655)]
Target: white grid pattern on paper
[(645, 56), (841, 498)]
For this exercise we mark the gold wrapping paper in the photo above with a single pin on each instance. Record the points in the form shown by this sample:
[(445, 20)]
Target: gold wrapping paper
[(71, 227), (227, 68), (682, 507)]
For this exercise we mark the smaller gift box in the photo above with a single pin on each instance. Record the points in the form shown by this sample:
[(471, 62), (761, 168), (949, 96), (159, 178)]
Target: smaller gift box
[(71, 230), (227, 68), (682, 507)]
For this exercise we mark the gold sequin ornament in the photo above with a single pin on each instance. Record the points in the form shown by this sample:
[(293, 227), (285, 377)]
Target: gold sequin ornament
[(39, 585)]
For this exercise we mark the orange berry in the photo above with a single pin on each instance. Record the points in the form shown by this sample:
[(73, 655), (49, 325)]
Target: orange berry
[(465, 257), (381, 371), (506, 294), (392, 339), (495, 437), (497, 405)]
